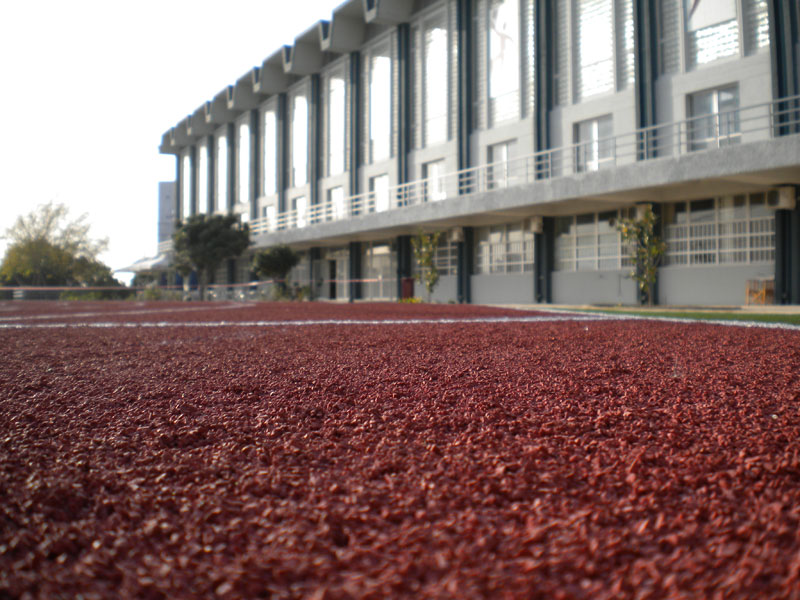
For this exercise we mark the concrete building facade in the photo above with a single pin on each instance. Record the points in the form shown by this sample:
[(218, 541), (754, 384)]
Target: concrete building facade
[(523, 130)]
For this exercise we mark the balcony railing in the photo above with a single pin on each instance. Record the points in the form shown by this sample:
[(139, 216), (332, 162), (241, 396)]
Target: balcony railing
[(711, 131)]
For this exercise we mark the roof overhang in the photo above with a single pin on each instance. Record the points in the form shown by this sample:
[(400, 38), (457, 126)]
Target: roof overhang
[(241, 95), (166, 146), (271, 78), (217, 111), (198, 126), (387, 12), (305, 56), (341, 34)]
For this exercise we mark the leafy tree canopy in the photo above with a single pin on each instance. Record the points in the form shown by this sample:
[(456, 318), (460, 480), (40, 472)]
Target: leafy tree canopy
[(203, 242), (275, 263), (47, 249), (50, 222), (424, 246)]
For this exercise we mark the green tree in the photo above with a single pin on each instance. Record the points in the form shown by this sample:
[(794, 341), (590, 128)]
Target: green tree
[(51, 222), (36, 262), (203, 242), (48, 249), (275, 263), (645, 249), (424, 246)]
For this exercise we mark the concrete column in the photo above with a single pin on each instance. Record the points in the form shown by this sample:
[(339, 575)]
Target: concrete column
[(787, 256), (645, 41), (193, 179), (314, 257), (465, 59), (315, 139), (464, 267), (404, 95), (405, 261), (544, 83), (355, 270), (354, 106), (784, 30), (211, 154), (254, 169), (544, 252), (282, 175), (231, 139)]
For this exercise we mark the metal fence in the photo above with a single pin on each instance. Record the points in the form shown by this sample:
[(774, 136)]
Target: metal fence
[(701, 133)]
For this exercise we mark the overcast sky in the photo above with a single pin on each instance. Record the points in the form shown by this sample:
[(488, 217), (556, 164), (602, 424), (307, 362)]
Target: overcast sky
[(90, 86)]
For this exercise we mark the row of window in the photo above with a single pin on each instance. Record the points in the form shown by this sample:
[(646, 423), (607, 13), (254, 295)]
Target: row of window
[(594, 36), (732, 230)]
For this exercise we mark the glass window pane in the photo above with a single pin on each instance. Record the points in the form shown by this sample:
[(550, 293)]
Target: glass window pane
[(299, 140), (436, 78), (702, 211), (202, 182), (270, 153), (595, 33), (244, 163), (380, 107), (336, 125), (379, 186), (186, 187), (221, 203), (504, 69)]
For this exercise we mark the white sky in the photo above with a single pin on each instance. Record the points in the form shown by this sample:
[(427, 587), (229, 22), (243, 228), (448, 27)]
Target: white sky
[(90, 86)]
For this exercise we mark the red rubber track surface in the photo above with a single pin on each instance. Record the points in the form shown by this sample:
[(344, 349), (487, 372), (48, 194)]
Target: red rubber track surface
[(592, 459), (136, 312)]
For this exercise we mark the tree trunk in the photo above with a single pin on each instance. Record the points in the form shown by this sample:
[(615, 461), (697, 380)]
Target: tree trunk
[(202, 279)]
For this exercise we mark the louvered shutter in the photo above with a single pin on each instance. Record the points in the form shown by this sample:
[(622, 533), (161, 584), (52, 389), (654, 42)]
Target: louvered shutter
[(366, 68), (594, 50), (325, 123), (528, 57), (756, 25), (348, 117), (562, 51), (395, 97), (480, 76), (452, 88), (417, 70), (669, 37), (623, 33)]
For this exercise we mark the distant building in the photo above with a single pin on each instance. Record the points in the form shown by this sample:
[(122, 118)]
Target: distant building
[(524, 129)]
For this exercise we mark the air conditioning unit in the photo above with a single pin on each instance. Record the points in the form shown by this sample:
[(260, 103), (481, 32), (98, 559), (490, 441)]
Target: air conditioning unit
[(534, 224), (786, 198), (455, 235)]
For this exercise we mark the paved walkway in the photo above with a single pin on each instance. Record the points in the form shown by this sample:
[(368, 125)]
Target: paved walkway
[(785, 309)]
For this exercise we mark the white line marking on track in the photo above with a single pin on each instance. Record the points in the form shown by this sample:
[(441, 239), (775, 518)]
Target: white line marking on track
[(570, 317)]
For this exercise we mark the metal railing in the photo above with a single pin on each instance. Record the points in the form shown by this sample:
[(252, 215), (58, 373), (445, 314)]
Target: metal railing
[(705, 132)]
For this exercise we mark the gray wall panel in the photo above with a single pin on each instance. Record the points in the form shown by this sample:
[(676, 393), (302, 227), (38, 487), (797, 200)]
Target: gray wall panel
[(708, 285), (593, 287), (502, 289)]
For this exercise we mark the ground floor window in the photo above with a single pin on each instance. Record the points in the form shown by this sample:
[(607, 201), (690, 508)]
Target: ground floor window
[(445, 259), (506, 248), (590, 242), (379, 264), (729, 230)]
